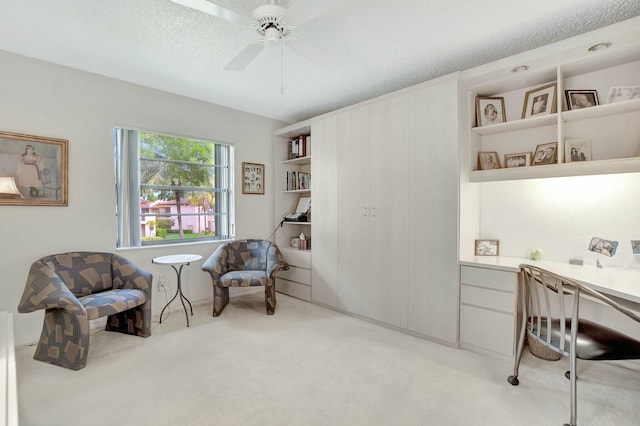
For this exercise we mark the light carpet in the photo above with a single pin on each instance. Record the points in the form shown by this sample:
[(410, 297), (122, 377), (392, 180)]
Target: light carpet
[(307, 365)]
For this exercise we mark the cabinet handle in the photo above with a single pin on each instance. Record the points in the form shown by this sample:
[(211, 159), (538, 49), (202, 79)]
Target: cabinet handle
[(364, 211), (374, 211)]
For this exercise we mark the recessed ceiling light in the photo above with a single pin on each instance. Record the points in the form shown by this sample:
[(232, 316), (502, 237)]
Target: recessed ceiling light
[(520, 68), (600, 46)]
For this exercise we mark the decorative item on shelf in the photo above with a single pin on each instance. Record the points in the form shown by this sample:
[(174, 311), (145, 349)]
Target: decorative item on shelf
[(519, 159), (252, 178), (540, 101), (299, 147), (577, 150), (604, 247), (304, 242), (488, 160), (546, 153), (35, 170), (490, 110), (623, 93), (635, 246), (578, 99), (294, 242), (487, 247), (536, 254)]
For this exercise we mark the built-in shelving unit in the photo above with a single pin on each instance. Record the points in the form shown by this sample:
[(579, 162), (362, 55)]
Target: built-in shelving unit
[(296, 281), (612, 129)]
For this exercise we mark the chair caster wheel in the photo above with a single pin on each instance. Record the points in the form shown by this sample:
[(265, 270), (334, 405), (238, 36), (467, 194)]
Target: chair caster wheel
[(513, 380)]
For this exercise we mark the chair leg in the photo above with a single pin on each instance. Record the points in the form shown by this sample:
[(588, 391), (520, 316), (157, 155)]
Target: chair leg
[(270, 298), (64, 340), (513, 380), (220, 299), (136, 321)]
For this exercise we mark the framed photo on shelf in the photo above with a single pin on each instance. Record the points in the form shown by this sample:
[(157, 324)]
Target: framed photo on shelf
[(546, 153), (577, 150), (540, 101), (578, 99), (252, 178), (604, 247), (635, 246), (623, 93), (519, 159), (294, 242), (487, 247), (33, 170), (488, 160), (490, 110)]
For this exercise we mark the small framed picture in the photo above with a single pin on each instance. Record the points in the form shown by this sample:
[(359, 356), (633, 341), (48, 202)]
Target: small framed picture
[(294, 242), (490, 110), (578, 99), (623, 93), (487, 247), (519, 159), (488, 160), (635, 246), (540, 101), (546, 153), (577, 150), (252, 178), (604, 247)]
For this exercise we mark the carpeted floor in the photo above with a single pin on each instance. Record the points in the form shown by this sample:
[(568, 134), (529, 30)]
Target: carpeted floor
[(307, 365)]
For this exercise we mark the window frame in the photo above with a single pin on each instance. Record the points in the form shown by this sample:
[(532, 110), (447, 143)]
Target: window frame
[(129, 214)]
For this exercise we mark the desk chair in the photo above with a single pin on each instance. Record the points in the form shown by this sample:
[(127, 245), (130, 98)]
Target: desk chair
[(550, 317)]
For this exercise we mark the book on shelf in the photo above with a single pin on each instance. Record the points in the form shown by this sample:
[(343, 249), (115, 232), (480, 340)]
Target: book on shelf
[(297, 181), (299, 147)]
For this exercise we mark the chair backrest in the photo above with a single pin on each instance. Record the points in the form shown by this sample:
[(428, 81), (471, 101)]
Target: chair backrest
[(244, 255), (83, 273), (552, 305)]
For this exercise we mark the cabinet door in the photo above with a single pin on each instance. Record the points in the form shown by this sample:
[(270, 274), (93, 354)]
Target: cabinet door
[(433, 211), (354, 288), (324, 201), (389, 205)]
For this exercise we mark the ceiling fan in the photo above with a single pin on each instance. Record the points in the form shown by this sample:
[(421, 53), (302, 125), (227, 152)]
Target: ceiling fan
[(274, 24)]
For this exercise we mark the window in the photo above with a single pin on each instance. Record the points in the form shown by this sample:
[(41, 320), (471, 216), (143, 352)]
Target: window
[(172, 189)]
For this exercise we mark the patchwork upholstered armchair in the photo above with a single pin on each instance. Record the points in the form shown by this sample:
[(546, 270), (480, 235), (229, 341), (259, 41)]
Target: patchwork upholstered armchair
[(74, 288), (244, 263)]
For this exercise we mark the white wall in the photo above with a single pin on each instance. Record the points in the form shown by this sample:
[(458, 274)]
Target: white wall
[(560, 216), (44, 99)]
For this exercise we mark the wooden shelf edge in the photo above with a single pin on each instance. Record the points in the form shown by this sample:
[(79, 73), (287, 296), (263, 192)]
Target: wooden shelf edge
[(301, 161), (587, 168), (510, 126), (601, 110)]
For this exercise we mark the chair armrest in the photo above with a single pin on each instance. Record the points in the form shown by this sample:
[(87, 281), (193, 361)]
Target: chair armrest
[(46, 290), (126, 274), (217, 264), (275, 261)]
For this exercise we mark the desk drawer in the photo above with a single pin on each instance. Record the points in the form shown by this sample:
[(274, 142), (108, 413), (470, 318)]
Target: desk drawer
[(491, 299), (294, 273), (489, 278), (488, 330)]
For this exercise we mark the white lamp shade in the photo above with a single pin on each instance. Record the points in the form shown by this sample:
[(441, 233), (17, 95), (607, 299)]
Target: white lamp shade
[(8, 185)]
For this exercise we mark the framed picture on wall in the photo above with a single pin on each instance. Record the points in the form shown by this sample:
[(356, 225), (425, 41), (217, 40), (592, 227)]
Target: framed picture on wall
[(252, 178), (578, 99), (540, 101), (33, 170), (602, 246), (490, 110), (487, 247)]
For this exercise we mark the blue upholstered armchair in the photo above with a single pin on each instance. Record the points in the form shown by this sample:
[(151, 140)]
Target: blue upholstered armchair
[(244, 263), (74, 288)]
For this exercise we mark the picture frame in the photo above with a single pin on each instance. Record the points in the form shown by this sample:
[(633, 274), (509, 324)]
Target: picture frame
[(253, 178), (623, 93), (518, 159), (602, 246), (540, 101), (490, 110), (579, 99), (488, 160), (577, 150), (487, 248), (635, 246), (546, 153), (294, 242), (33, 170)]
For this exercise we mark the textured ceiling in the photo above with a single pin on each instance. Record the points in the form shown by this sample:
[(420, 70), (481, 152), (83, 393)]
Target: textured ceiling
[(381, 46)]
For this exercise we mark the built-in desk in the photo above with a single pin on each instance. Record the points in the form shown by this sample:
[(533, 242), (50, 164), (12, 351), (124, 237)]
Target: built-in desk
[(489, 307)]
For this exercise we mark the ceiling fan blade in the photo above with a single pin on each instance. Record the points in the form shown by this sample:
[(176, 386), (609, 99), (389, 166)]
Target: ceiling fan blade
[(305, 10), (245, 57), (320, 57), (215, 10)]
